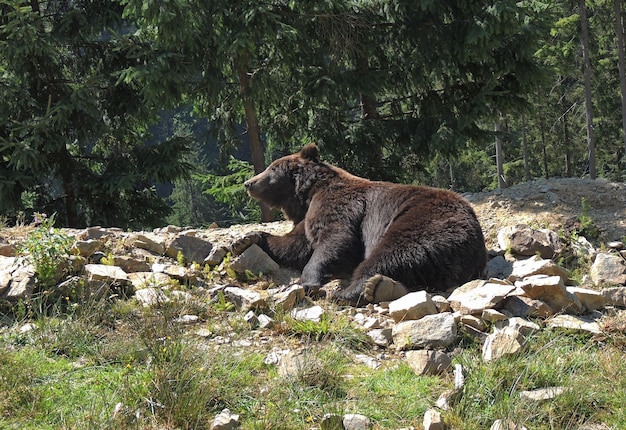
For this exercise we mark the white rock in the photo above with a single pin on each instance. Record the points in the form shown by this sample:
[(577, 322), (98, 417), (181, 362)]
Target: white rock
[(356, 422), (432, 420), (225, 421), (381, 336), (501, 343), (412, 306), (608, 269), (591, 300), (431, 331), (476, 296), (428, 362), (574, 322), (536, 266), (542, 394), (314, 313), (255, 260)]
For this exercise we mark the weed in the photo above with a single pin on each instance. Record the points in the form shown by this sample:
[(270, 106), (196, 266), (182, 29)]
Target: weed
[(48, 249), (222, 304)]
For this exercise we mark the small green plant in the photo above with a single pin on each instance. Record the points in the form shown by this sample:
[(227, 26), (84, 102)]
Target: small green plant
[(109, 260), (587, 226), (222, 304), (48, 248), (180, 258)]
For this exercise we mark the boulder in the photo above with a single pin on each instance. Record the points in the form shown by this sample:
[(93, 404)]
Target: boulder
[(550, 290), (608, 269), (536, 266), (254, 260), (524, 240), (192, 248), (412, 306), (474, 297), (429, 332), (428, 362)]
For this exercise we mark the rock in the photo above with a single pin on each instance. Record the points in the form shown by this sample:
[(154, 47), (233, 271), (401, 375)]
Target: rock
[(502, 342), (101, 276), (175, 271), (524, 240), (550, 290), (151, 296), (225, 421), (381, 336), (412, 306), (608, 269), (193, 249), (216, 255), (85, 248), (473, 321), (442, 304), (524, 327), (614, 296), (314, 313), (254, 260), (583, 248), (591, 300), (431, 331), (542, 394), (536, 266), (356, 422), (492, 316), (251, 319), (265, 321), (617, 245), (582, 323), (131, 264), (520, 306), (22, 280), (506, 425), (432, 420), (427, 362), (498, 268), (475, 296), (367, 322), (287, 297), (243, 300), (150, 242)]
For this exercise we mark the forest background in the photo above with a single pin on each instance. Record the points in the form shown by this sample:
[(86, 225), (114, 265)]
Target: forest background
[(138, 113)]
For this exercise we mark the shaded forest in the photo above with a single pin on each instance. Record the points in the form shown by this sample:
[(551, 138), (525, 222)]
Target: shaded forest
[(137, 113)]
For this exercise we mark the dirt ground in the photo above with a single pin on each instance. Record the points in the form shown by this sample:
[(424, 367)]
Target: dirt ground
[(556, 204)]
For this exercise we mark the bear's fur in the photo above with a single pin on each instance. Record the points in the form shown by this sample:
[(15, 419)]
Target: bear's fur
[(420, 237)]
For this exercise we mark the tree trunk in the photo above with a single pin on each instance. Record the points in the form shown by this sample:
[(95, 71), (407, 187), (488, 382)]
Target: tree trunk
[(499, 155), (542, 127), (566, 137), (370, 112), (588, 102), (66, 172), (525, 150), (619, 30), (252, 123)]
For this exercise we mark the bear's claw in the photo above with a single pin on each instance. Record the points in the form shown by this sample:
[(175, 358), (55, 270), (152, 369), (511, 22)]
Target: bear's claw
[(243, 243)]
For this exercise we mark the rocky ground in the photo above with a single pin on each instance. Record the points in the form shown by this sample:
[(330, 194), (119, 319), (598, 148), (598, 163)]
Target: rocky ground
[(555, 203), (416, 328)]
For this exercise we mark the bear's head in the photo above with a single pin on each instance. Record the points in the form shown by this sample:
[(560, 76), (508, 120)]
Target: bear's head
[(286, 183)]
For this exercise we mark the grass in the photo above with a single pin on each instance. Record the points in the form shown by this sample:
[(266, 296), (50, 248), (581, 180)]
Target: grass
[(115, 365), (108, 363)]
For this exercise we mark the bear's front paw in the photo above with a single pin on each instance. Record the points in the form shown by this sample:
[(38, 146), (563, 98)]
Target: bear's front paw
[(243, 243)]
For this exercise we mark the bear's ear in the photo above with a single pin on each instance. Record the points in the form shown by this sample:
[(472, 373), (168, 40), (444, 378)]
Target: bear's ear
[(310, 152)]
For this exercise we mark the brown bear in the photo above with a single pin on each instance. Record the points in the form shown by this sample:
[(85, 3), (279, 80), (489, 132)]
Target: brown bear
[(391, 238)]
